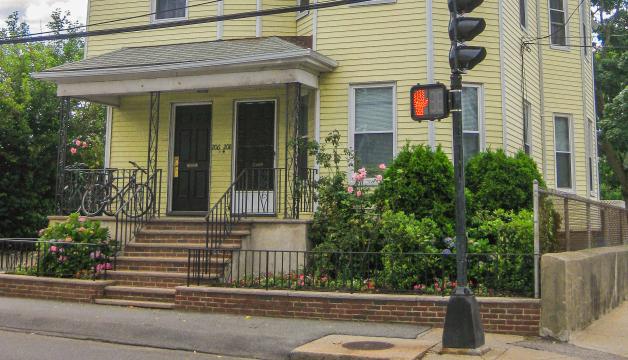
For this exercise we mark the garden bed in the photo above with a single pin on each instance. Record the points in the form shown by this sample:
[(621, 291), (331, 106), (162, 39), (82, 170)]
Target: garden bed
[(518, 316), (83, 291)]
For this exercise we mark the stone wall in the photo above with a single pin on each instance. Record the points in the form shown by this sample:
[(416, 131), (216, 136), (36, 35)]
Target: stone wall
[(499, 315), (578, 287), (84, 291)]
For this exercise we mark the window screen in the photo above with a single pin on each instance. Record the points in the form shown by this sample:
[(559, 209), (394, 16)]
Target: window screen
[(168, 9), (562, 144), (557, 23)]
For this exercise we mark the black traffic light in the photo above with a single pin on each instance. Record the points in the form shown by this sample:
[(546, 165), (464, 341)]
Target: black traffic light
[(429, 102), (461, 29)]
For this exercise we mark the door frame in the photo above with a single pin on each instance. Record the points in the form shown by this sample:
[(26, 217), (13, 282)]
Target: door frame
[(234, 147), (171, 139)]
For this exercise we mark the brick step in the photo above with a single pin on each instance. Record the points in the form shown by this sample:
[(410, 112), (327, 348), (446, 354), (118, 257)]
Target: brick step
[(153, 279), (163, 264), (148, 235), (139, 293), (136, 303), (171, 249), (184, 226)]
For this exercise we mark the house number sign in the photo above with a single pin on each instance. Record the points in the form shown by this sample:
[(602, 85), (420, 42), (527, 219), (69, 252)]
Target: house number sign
[(221, 147)]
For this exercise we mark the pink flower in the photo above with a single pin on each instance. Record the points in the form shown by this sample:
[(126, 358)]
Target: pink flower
[(53, 249), (382, 166), (77, 142), (379, 178), (95, 254), (73, 151), (63, 258), (362, 171), (82, 218), (354, 176), (84, 145), (350, 189), (41, 232), (358, 193), (107, 266), (360, 176)]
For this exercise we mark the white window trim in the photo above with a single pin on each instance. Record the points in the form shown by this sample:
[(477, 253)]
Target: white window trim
[(351, 132), (569, 117), (566, 24), (481, 131), (374, 2), (153, 9), (528, 105), (524, 26), (591, 174), (301, 14), (585, 28)]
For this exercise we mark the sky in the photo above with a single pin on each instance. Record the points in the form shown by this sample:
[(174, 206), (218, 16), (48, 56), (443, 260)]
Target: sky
[(37, 12)]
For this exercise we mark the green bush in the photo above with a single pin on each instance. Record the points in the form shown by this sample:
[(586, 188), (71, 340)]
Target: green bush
[(511, 235), (78, 247), (403, 234), (497, 181), (420, 182)]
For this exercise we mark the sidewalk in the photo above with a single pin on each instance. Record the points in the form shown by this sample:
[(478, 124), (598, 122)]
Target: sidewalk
[(608, 334)]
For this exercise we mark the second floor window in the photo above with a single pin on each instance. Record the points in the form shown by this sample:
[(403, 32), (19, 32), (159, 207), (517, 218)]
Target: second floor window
[(471, 120), (558, 28), (372, 125), (170, 9)]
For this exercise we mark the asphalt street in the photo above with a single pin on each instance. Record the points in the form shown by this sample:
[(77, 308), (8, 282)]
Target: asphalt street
[(28, 346), (229, 335)]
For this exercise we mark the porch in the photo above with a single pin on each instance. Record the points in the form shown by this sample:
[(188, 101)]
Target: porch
[(219, 129)]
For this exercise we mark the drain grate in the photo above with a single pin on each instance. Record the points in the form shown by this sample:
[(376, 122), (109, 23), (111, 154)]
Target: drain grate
[(367, 345)]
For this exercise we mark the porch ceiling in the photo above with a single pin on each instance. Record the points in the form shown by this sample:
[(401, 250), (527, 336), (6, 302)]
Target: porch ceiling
[(191, 66)]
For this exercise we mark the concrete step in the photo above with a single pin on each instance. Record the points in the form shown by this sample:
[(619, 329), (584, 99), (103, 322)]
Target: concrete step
[(183, 236), (164, 264), (136, 303), (153, 279), (148, 249), (139, 293)]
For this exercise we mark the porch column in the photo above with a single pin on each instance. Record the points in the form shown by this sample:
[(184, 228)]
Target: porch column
[(292, 186), (64, 115), (153, 132)]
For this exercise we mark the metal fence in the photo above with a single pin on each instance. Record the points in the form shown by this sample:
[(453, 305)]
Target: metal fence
[(54, 258), (568, 222), (377, 272)]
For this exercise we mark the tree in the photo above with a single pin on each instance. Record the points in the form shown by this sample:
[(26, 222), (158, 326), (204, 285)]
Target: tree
[(611, 79), (29, 125)]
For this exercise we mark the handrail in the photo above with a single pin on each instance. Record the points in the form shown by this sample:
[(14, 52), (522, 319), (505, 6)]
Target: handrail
[(217, 231)]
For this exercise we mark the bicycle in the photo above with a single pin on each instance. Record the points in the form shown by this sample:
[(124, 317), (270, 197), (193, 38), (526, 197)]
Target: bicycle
[(99, 198)]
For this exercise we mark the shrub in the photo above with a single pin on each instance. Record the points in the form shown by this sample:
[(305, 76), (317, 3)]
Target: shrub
[(78, 247), (420, 182), (403, 234), (509, 234), (497, 181)]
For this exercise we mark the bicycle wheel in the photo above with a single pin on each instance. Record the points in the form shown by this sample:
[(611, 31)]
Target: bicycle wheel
[(140, 201), (115, 201), (94, 200)]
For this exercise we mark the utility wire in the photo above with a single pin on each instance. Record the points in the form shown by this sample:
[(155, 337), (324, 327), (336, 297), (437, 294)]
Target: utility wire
[(117, 20), (203, 20)]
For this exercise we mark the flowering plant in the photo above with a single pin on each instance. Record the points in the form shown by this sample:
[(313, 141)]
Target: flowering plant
[(78, 248)]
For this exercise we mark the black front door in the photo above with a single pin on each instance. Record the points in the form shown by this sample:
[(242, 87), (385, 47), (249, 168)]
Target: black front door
[(256, 142), (190, 180)]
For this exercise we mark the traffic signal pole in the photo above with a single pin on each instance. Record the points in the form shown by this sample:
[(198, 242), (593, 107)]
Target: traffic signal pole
[(463, 332)]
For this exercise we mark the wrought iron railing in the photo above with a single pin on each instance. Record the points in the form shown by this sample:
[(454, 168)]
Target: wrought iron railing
[(421, 273), (130, 196), (258, 192), (26, 256)]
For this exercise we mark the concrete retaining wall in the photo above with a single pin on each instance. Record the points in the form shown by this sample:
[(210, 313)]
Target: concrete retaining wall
[(580, 286)]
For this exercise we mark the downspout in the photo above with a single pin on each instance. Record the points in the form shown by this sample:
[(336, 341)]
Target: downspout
[(502, 75), (541, 91), (258, 19)]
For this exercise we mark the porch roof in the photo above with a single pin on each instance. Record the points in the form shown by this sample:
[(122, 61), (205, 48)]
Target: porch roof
[(189, 66)]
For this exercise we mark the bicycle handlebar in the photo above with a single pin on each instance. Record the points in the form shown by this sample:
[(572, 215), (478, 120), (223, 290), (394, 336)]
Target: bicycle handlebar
[(138, 167)]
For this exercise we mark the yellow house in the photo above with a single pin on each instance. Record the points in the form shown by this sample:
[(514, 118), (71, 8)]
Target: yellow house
[(217, 111)]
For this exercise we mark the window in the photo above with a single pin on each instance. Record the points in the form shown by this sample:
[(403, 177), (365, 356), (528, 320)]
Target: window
[(558, 29), (522, 13), (300, 14), (562, 145), (471, 121), (170, 9), (527, 127), (372, 125), (585, 36)]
